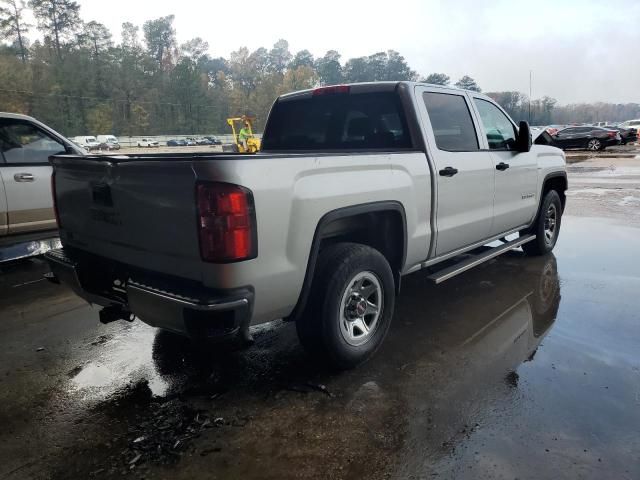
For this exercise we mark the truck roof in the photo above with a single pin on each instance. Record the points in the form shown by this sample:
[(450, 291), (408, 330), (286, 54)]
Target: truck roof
[(382, 86), (17, 116)]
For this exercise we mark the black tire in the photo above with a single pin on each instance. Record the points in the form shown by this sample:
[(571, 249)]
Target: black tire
[(324, 329), (544, 243)]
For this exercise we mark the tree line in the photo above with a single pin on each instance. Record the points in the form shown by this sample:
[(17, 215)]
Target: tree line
[(78, 80)]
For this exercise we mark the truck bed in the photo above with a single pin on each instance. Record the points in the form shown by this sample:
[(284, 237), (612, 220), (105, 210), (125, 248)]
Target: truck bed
[(142, 211)]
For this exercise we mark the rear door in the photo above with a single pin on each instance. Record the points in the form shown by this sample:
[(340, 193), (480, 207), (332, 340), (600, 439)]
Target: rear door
[(464, 172), (571, 137), (516, 173), (26, 175)]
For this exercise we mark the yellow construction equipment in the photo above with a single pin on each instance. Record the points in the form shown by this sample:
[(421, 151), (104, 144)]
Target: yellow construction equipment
[(245, 141)]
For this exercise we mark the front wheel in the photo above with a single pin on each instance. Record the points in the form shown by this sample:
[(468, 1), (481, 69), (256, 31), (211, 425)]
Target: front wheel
[(350, 306), (546, 226)]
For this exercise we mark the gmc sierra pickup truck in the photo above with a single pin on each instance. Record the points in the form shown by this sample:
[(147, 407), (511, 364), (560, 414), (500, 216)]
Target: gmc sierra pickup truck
[(355, 186)]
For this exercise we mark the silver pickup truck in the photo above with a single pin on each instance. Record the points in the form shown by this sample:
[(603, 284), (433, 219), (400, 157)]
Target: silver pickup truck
[(27, 223), (355, 186)]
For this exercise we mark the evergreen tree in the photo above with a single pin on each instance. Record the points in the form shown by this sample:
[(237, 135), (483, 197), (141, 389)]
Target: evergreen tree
[(57, 19), (12, 25), (468, 83), (437, 79)]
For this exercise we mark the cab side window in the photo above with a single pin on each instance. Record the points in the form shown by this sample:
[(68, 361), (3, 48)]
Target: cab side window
[(451, 122), (501, 133), (21, 142)]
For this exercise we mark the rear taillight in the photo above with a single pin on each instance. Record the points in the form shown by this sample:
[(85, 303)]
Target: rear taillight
[(226, 222), (333, 89), (55, 200)]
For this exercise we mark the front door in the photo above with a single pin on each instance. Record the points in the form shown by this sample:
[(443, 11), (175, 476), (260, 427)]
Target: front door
[(516, 173), (26, 175), (464, 173)]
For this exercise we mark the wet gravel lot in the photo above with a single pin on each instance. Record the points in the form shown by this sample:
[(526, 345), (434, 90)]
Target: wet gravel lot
[(522, 368)]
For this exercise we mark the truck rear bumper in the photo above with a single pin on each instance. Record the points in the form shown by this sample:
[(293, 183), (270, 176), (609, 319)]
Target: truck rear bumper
[(165, 303)]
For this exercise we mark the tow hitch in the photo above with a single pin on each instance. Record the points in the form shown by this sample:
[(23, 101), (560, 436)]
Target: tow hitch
[(115, 312)]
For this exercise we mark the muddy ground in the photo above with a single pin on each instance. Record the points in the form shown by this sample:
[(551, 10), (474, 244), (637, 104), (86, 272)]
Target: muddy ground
[(522, 368)]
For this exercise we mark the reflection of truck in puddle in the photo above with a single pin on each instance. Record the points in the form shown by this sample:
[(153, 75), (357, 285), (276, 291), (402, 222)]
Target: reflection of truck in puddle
[(516, 333), (466, 367)]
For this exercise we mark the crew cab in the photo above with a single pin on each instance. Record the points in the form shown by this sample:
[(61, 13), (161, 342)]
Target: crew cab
[(355, 186), (27, 222)]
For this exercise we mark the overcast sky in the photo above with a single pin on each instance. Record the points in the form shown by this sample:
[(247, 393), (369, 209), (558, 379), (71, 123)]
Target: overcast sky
[(578, 50)]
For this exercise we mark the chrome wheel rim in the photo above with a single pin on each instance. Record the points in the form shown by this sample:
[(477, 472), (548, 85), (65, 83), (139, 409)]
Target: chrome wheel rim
[(550, 224), (360, 308), (594, 145)]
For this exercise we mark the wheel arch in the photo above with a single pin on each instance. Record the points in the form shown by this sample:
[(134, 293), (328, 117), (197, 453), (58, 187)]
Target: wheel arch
[(553, 181), (354, 224)]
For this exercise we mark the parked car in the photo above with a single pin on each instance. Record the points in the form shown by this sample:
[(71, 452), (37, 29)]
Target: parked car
[(374, 181), (586, 137), (109, 142), (631, 124), (627, 135), (27, 218), (202, 141), (176, 143), (190, 142), (214, 140), (148, 142), (87, 142)]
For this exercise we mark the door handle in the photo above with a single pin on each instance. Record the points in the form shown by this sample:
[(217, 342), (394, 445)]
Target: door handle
[(502, 166), (24, 177), (448, 172)]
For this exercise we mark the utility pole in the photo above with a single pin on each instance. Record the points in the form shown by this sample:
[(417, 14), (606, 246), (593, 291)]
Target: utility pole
[(530, 76)]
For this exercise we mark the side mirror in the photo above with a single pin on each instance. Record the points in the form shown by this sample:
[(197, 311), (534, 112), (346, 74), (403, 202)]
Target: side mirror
[(523, 142)]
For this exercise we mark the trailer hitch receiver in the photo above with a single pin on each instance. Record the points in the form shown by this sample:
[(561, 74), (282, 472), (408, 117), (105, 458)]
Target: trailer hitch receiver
[(115, 312)]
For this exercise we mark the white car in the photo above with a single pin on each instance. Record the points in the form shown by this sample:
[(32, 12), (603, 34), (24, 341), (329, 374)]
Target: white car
[(631, 124), (148, 142), (88, 142)]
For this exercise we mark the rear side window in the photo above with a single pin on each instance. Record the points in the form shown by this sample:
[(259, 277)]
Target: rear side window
[(363, 121), (22, 142), (451, 122), (501, 133), (575, 130)]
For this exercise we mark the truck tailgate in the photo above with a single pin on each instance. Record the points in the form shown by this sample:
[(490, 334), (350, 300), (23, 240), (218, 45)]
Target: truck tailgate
[(142, 213)]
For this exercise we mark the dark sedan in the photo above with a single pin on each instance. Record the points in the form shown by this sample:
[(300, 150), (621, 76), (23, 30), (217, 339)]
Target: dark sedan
[(589, 138), (176, 143)]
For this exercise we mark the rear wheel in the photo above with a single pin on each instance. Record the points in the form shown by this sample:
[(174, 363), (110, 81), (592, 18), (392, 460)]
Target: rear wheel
[(546, 227), (594, 145), (350, 307)]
